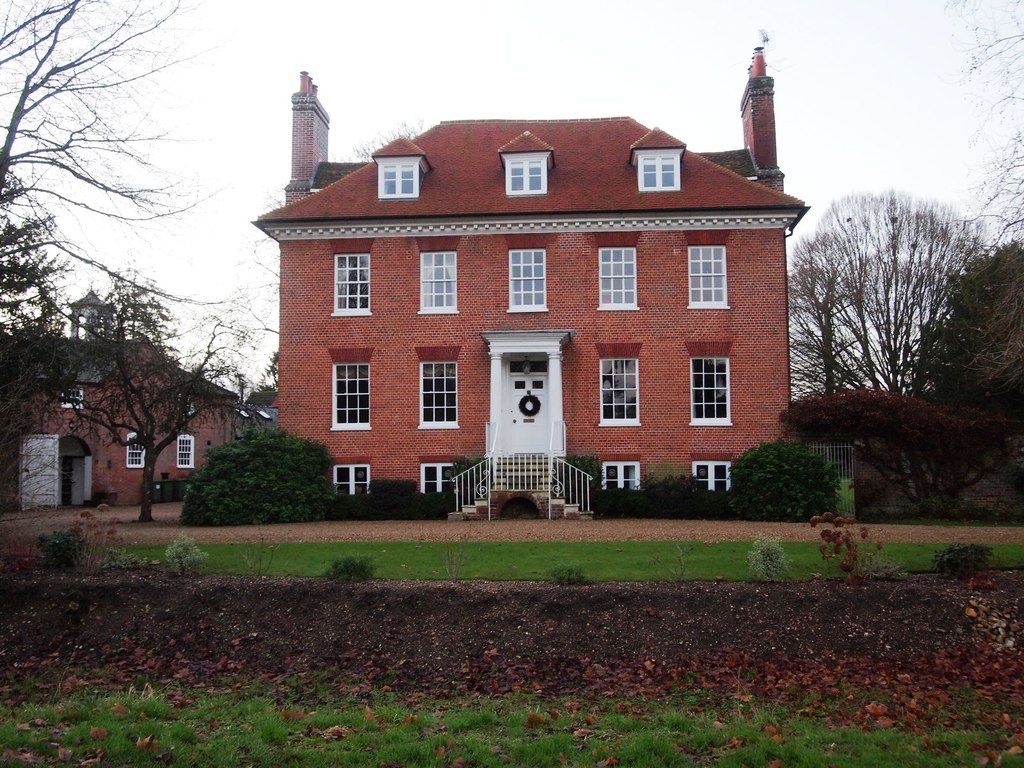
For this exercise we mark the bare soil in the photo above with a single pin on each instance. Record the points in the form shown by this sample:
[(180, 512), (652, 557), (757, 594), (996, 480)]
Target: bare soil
[(496, 636)]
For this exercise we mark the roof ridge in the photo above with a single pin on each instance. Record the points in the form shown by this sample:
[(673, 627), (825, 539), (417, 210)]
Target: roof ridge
[(485, 121)]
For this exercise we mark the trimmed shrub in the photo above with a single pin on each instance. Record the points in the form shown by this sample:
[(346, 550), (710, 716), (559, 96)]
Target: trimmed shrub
[(61, 549), (768, 560), (183, 555), (714, 505), (962, 561), (673, 496), (351, 568), (620, 503), (568, 574), (267, 477), (392, 500), (782, 481)]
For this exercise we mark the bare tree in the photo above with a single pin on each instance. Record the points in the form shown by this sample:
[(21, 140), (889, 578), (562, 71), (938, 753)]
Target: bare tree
[(136, 383), (870, 292), (999, 357), (996, 63), (75, 85), (364, 150)]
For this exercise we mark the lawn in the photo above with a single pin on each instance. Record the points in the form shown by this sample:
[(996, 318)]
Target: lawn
[(311, 723), (600, 561)]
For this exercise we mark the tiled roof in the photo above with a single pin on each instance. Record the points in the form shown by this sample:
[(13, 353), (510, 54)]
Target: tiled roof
[(657, 139), (593, 174), (736, 160), (328, 173), (526, 142), (400, 147)]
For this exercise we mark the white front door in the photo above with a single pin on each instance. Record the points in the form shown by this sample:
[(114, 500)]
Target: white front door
[(40, 471), (527, 424)]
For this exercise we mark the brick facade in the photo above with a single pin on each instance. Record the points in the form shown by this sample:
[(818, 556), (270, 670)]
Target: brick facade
[(754, 330), (113, 482), (595, 196)]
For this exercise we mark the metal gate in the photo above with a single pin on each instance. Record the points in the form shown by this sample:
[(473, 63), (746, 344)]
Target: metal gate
[(840, 456)]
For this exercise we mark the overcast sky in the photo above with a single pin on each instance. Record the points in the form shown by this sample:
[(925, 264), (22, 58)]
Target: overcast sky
[(868, 96)]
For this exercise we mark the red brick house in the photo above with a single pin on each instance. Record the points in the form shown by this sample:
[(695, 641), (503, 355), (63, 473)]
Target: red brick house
[(523, 290), (68, 461)]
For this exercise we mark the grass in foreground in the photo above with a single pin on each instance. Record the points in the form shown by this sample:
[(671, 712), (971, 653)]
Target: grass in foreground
[(599, 561), (320, 728)]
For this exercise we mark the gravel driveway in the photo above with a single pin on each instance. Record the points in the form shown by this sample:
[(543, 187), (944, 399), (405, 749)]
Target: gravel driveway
[(165, 528)]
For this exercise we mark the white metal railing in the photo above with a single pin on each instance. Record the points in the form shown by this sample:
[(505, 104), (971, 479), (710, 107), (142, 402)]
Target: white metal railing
[(472, 485), (569, 483)]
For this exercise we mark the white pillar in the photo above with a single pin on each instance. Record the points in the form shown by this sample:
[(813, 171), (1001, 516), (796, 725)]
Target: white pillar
[(555, 393), (496, 389)]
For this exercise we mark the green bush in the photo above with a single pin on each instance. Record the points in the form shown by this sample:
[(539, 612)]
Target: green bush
[(881, 568), (782, 481), (620, 503), (267, 477), (61, 549), (946, 508), (962, 561), (351, 568), (183, 555), (568, 574), (392, 499), (768, 560), (714, 505), (119, 559), (673, 496)]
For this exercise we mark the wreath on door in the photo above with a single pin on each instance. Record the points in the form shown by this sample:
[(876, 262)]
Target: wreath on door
[(529, 406)]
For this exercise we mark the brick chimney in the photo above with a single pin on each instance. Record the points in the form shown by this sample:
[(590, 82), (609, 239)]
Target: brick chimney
[(757, 107), (310, 124)]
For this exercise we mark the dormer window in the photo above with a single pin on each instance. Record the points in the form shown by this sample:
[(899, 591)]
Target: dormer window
[(527, 160), (657, 171), (401, 166), (526, 175), (657, 157), (398, 178)]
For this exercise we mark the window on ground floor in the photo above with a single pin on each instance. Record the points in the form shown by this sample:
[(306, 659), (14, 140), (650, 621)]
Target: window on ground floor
[(439, 395), (713, 475), (352, 396), (436, 478), (135, 455), (619, 392), (621, 474), (350, 479), (186, 452), (709, 390)]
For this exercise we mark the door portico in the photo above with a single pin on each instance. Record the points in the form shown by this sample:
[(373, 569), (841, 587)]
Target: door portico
[(526, 408)]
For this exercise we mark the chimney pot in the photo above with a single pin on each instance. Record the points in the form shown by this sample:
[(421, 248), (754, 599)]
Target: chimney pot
[(757, 66)]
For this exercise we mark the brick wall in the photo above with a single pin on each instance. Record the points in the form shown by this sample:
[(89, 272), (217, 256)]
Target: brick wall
[(112, 480), (755, 327)]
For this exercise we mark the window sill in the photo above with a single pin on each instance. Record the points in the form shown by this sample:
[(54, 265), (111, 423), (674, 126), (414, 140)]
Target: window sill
[(710, 422), (619, 423), (350, 428), (445, 311), (659, 189), (443, 425), (618, 308), (351, 313), (521, 310), (708, 306)]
